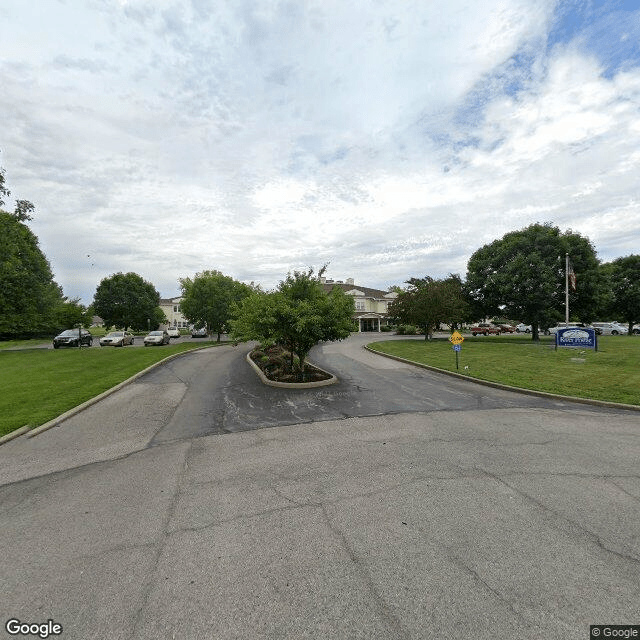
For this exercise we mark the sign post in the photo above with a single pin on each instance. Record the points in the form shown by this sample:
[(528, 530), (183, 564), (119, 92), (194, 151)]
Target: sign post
[(456, 339)]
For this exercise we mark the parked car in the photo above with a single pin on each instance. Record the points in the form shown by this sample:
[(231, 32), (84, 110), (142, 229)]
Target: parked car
[(523, 328), (69, 338), (563, 325), (485, 328), (117, 339), (506, 328), (156, 337), (611, 328), (636, 331), (199, 333), (173, 332)]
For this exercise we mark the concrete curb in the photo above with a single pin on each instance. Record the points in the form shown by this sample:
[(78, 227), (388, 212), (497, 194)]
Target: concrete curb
[(14, 434), (81, 407), (505, 387), (292, 385)]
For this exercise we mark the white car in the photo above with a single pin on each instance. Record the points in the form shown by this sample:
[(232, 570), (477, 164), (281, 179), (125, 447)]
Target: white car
[(173, 332), (523, 328), (611, 328)]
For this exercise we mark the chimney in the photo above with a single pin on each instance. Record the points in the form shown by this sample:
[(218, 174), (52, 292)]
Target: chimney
[(349, 280)]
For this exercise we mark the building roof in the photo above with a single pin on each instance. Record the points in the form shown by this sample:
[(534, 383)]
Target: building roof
[(368, 291)]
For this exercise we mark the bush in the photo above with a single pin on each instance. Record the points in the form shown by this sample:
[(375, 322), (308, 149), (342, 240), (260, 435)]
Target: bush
[(386, 327), (407, 330)]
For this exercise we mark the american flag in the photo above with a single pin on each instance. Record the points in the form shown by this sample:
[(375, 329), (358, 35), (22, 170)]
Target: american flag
[(572, 276)]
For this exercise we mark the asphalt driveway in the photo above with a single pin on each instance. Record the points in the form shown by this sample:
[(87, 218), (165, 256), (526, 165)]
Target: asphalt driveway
[(396, 504)]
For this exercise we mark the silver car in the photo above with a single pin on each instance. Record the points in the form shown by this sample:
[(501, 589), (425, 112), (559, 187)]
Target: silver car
[(156, 337), (116, 339), (611, 328)]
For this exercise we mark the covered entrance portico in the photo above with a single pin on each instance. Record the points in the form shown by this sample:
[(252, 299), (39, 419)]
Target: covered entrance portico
[(369, 322)]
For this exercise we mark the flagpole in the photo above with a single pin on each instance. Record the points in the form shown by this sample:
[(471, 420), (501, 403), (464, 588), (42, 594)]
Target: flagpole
[(566, 289)]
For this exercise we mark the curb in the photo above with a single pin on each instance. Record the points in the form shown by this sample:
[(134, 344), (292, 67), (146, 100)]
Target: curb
[(292, 385), (14, 434), (81, 407), (506, 387)]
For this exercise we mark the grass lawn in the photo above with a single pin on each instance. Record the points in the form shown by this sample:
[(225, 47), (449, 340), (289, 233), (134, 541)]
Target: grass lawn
[(40, 384), (612, 373)]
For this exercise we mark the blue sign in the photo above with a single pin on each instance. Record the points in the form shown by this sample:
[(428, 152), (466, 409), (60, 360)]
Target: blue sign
[(457, 347), (576, 337)]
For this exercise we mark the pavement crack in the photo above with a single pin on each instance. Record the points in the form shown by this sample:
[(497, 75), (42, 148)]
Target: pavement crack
[(592, 536), (149, 583), (381, 606)]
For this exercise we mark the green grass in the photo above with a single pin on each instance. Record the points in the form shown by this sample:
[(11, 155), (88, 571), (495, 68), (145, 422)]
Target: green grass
[(612, 373), (40, 384)]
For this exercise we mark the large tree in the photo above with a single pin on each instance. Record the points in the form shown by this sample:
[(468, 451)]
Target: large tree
[(207, 299), (623, 278), (427, 302), (522, 275), (126, 300), (28, 293), (298, 315)]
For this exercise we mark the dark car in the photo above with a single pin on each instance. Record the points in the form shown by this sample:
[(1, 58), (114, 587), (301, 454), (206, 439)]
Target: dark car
[(507, 328), (69, 338)]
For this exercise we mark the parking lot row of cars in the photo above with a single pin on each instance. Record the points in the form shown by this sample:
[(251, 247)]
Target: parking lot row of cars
[(82, 337), (601, 328)]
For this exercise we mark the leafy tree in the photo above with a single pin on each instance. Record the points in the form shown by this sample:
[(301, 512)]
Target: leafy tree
[(428, 302), (623, 278), (71, 313), (522, 275), (298, 315), (126, 300), (208, 298), (28, 293)]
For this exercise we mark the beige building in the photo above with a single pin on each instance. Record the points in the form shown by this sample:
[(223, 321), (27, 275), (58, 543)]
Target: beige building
[(171, 308), (371, 312)]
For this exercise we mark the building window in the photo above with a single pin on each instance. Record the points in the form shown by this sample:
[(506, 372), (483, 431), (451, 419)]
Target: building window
[(359, 305)]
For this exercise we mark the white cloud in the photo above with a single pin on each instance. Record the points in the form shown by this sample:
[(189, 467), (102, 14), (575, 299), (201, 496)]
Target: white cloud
[(392, 140)]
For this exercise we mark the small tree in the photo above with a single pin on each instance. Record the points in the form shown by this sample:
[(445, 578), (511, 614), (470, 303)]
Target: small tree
[(71, 313), (126, 300), (208, 298), (298, 315), (428, 302)]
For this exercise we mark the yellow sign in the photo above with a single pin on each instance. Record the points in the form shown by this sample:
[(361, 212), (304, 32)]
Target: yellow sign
[(456, 338)]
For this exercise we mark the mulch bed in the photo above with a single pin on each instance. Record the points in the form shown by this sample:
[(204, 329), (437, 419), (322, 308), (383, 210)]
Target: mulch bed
[(275, 363)]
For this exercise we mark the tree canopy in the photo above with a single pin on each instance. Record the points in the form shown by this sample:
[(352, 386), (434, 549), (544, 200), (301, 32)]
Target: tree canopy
[(208, 298), (522, 275), (623, 278), (298, 315), (428, 302), (126, 300), (28, 293)]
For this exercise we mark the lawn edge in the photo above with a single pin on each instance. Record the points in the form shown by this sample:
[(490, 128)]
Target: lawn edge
[(31, 433), (506, 387)]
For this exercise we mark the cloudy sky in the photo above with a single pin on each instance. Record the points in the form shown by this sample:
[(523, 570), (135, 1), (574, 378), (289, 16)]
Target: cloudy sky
[(390, 138)]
